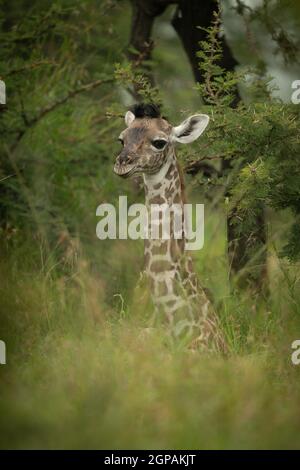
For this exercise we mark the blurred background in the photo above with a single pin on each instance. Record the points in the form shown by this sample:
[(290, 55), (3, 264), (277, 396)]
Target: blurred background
[(80, 372)]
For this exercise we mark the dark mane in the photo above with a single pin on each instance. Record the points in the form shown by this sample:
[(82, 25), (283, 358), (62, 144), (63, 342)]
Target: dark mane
[(145, 110)]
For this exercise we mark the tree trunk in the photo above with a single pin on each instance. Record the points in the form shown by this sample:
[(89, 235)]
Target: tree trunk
[(144, 13), (191, 14), (249, 272), (247, 253)]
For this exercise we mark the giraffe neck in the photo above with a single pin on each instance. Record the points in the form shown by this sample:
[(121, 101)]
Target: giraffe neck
[(166, 188), (174, 285), (163, 257)]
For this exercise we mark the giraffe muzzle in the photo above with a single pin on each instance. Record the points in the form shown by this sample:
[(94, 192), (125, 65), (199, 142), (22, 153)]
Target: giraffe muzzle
[(124, 168)]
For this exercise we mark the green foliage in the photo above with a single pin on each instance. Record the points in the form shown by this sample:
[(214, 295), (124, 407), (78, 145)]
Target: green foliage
[(271, 16), (219, 86), (57, 146), (81, 368), (134, 80), (260, 136)]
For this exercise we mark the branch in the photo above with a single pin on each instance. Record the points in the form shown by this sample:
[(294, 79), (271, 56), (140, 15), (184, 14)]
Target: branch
[(153, 7), (34, 65), (141, 45), (48, 109), (198, 166), (71, 94), (190, 21)]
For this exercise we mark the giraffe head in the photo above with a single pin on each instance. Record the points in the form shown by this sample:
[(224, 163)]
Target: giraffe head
[(148, 138)]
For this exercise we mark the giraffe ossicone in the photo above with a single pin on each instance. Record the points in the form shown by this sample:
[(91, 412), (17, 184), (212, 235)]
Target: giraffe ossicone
[(149, 149)]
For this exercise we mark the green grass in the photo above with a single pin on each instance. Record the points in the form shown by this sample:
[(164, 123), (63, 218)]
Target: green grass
[(82, 372)]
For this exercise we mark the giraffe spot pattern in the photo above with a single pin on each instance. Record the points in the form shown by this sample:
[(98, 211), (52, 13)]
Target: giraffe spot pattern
[(176, 291)]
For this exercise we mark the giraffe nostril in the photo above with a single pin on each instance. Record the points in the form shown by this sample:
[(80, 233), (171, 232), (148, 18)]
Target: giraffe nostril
[(125, 159)]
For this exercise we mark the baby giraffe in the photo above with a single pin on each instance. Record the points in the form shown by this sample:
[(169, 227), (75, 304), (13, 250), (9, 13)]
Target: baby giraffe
[(149, 149)]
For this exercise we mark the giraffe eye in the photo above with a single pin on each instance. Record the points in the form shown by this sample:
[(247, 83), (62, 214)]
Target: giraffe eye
[(159, 144)]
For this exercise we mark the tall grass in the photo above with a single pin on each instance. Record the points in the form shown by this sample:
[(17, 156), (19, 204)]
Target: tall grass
[(83, 371)]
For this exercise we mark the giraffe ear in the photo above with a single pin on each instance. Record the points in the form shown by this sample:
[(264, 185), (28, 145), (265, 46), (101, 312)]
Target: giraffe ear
[(190, 129), (129, 118)]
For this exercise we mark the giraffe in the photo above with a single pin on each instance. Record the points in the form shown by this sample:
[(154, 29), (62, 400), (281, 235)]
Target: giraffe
[(149, 149)]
